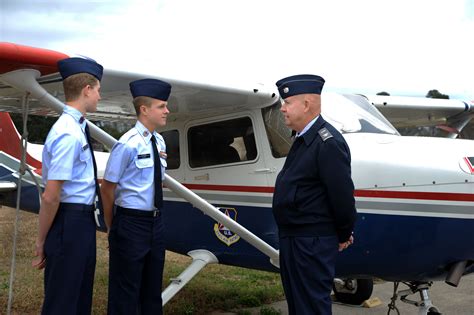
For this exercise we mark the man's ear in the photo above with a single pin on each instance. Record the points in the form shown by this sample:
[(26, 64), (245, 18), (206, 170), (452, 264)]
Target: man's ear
[(85, 91), (144, 110), (307, 103)]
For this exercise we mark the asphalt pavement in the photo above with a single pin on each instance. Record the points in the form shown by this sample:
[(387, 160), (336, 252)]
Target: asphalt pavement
[(448, 300)]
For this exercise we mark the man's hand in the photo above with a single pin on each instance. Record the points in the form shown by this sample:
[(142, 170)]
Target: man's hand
[(40, 261), (344, 245)]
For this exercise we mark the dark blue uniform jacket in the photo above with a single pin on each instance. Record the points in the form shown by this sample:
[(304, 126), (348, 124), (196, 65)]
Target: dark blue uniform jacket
[(314, 192)]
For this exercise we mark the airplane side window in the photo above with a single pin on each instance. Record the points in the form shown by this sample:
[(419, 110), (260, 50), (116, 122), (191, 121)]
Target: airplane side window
[(223, 142), (172, 148)]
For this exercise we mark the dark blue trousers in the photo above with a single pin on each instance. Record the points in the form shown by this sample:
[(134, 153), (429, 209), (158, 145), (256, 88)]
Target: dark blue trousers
[(307, 272), (70, 250), (137, 257)]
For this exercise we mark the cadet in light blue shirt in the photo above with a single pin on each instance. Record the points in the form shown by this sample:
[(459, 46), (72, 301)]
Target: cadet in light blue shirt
[(133, 183), (66, 242), (67, 157), (131, 166)]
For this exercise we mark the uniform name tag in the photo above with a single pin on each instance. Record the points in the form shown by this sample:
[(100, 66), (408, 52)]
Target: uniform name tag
[(144, 156), (85, 147)]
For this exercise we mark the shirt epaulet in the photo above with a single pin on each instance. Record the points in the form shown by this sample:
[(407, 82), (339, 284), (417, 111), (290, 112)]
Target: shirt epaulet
[(324, 134), (129, 134)]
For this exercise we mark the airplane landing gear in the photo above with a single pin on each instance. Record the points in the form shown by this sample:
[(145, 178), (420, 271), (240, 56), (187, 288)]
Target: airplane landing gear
[(353, 291), (425, 307)]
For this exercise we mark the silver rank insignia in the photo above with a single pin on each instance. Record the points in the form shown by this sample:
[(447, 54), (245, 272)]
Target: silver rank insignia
[(325, 134), (286, 90)]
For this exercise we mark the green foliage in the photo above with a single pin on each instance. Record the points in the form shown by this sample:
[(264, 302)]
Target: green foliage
[(269, 311), (249, 300), (114, 132), (38, 126), (436, 94)]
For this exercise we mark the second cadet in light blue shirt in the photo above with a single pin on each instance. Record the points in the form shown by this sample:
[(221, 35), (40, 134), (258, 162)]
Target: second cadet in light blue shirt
[(130, 165), (67, 156), (133, 183)]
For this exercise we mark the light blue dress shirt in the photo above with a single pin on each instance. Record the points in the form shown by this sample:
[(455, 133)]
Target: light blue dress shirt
[(307, 127), (67, 156), (131, 167)]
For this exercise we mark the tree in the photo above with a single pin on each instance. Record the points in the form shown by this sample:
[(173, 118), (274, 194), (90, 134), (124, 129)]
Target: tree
[(38, 126), (436, 94)]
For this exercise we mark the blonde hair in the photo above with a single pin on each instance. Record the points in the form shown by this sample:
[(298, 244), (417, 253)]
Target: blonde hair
[(141, 100), (74, 84)]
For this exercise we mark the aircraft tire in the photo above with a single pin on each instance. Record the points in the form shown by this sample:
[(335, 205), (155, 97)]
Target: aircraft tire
[(363, 291)]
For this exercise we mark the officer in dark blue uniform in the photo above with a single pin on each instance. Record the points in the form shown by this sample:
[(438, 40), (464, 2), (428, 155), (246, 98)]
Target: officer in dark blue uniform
[(66, 242), (313, 202), (133, 182)]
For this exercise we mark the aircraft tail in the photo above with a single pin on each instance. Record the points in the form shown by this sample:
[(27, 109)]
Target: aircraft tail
[(10, 140)]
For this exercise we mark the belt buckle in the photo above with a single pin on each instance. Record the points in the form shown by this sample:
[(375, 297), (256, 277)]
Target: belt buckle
[(155, 213)]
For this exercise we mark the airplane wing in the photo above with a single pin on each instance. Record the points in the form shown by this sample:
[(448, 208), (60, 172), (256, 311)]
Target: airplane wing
[(418, 111), (116, 103)]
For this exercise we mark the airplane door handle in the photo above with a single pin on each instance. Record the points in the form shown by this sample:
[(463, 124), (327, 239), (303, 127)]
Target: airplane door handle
[(202, 177), (263, 171)]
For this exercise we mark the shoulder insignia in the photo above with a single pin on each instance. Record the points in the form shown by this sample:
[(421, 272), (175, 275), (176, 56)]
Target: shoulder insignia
[(324, 134)]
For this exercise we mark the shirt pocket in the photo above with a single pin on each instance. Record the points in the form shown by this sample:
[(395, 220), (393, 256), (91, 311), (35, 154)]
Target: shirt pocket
[(85, 167), (145, 169)]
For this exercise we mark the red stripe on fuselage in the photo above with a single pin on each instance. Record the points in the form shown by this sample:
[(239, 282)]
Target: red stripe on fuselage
[(15, 57), (254, 189), (358, 193), (414, 195)]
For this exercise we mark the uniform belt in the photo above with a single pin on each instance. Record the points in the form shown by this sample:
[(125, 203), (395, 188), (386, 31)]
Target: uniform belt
[(76, 207), (138, 213)]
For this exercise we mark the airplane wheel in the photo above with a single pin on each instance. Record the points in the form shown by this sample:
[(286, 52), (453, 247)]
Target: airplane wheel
[(354, 291)]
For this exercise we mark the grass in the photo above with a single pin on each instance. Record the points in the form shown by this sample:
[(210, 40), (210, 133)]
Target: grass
[(216, 288)]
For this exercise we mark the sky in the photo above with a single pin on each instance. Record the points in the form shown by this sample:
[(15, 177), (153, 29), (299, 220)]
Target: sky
[(404, 47)]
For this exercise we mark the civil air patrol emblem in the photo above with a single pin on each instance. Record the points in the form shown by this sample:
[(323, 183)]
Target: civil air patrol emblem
[(224, 234)]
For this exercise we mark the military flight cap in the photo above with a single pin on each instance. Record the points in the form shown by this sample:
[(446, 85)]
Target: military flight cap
[(300, 84), (153, 88), (75, 65)]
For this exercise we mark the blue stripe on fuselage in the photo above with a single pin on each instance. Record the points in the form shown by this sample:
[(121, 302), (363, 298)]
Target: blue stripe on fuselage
[(392, 247)]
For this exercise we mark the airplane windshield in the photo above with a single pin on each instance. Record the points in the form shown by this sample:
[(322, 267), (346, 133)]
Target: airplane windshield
[(353, 113), (347, 113)]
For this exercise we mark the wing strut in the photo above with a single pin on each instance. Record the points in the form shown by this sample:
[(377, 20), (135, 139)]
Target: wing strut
[(25, 80), (201, 258)]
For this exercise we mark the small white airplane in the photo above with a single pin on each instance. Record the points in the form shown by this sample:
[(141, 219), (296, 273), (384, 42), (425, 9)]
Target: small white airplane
[(414, 195)]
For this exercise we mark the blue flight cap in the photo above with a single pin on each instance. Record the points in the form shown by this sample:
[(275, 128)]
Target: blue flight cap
[(300, 84), (75, 65), (152, 88)]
